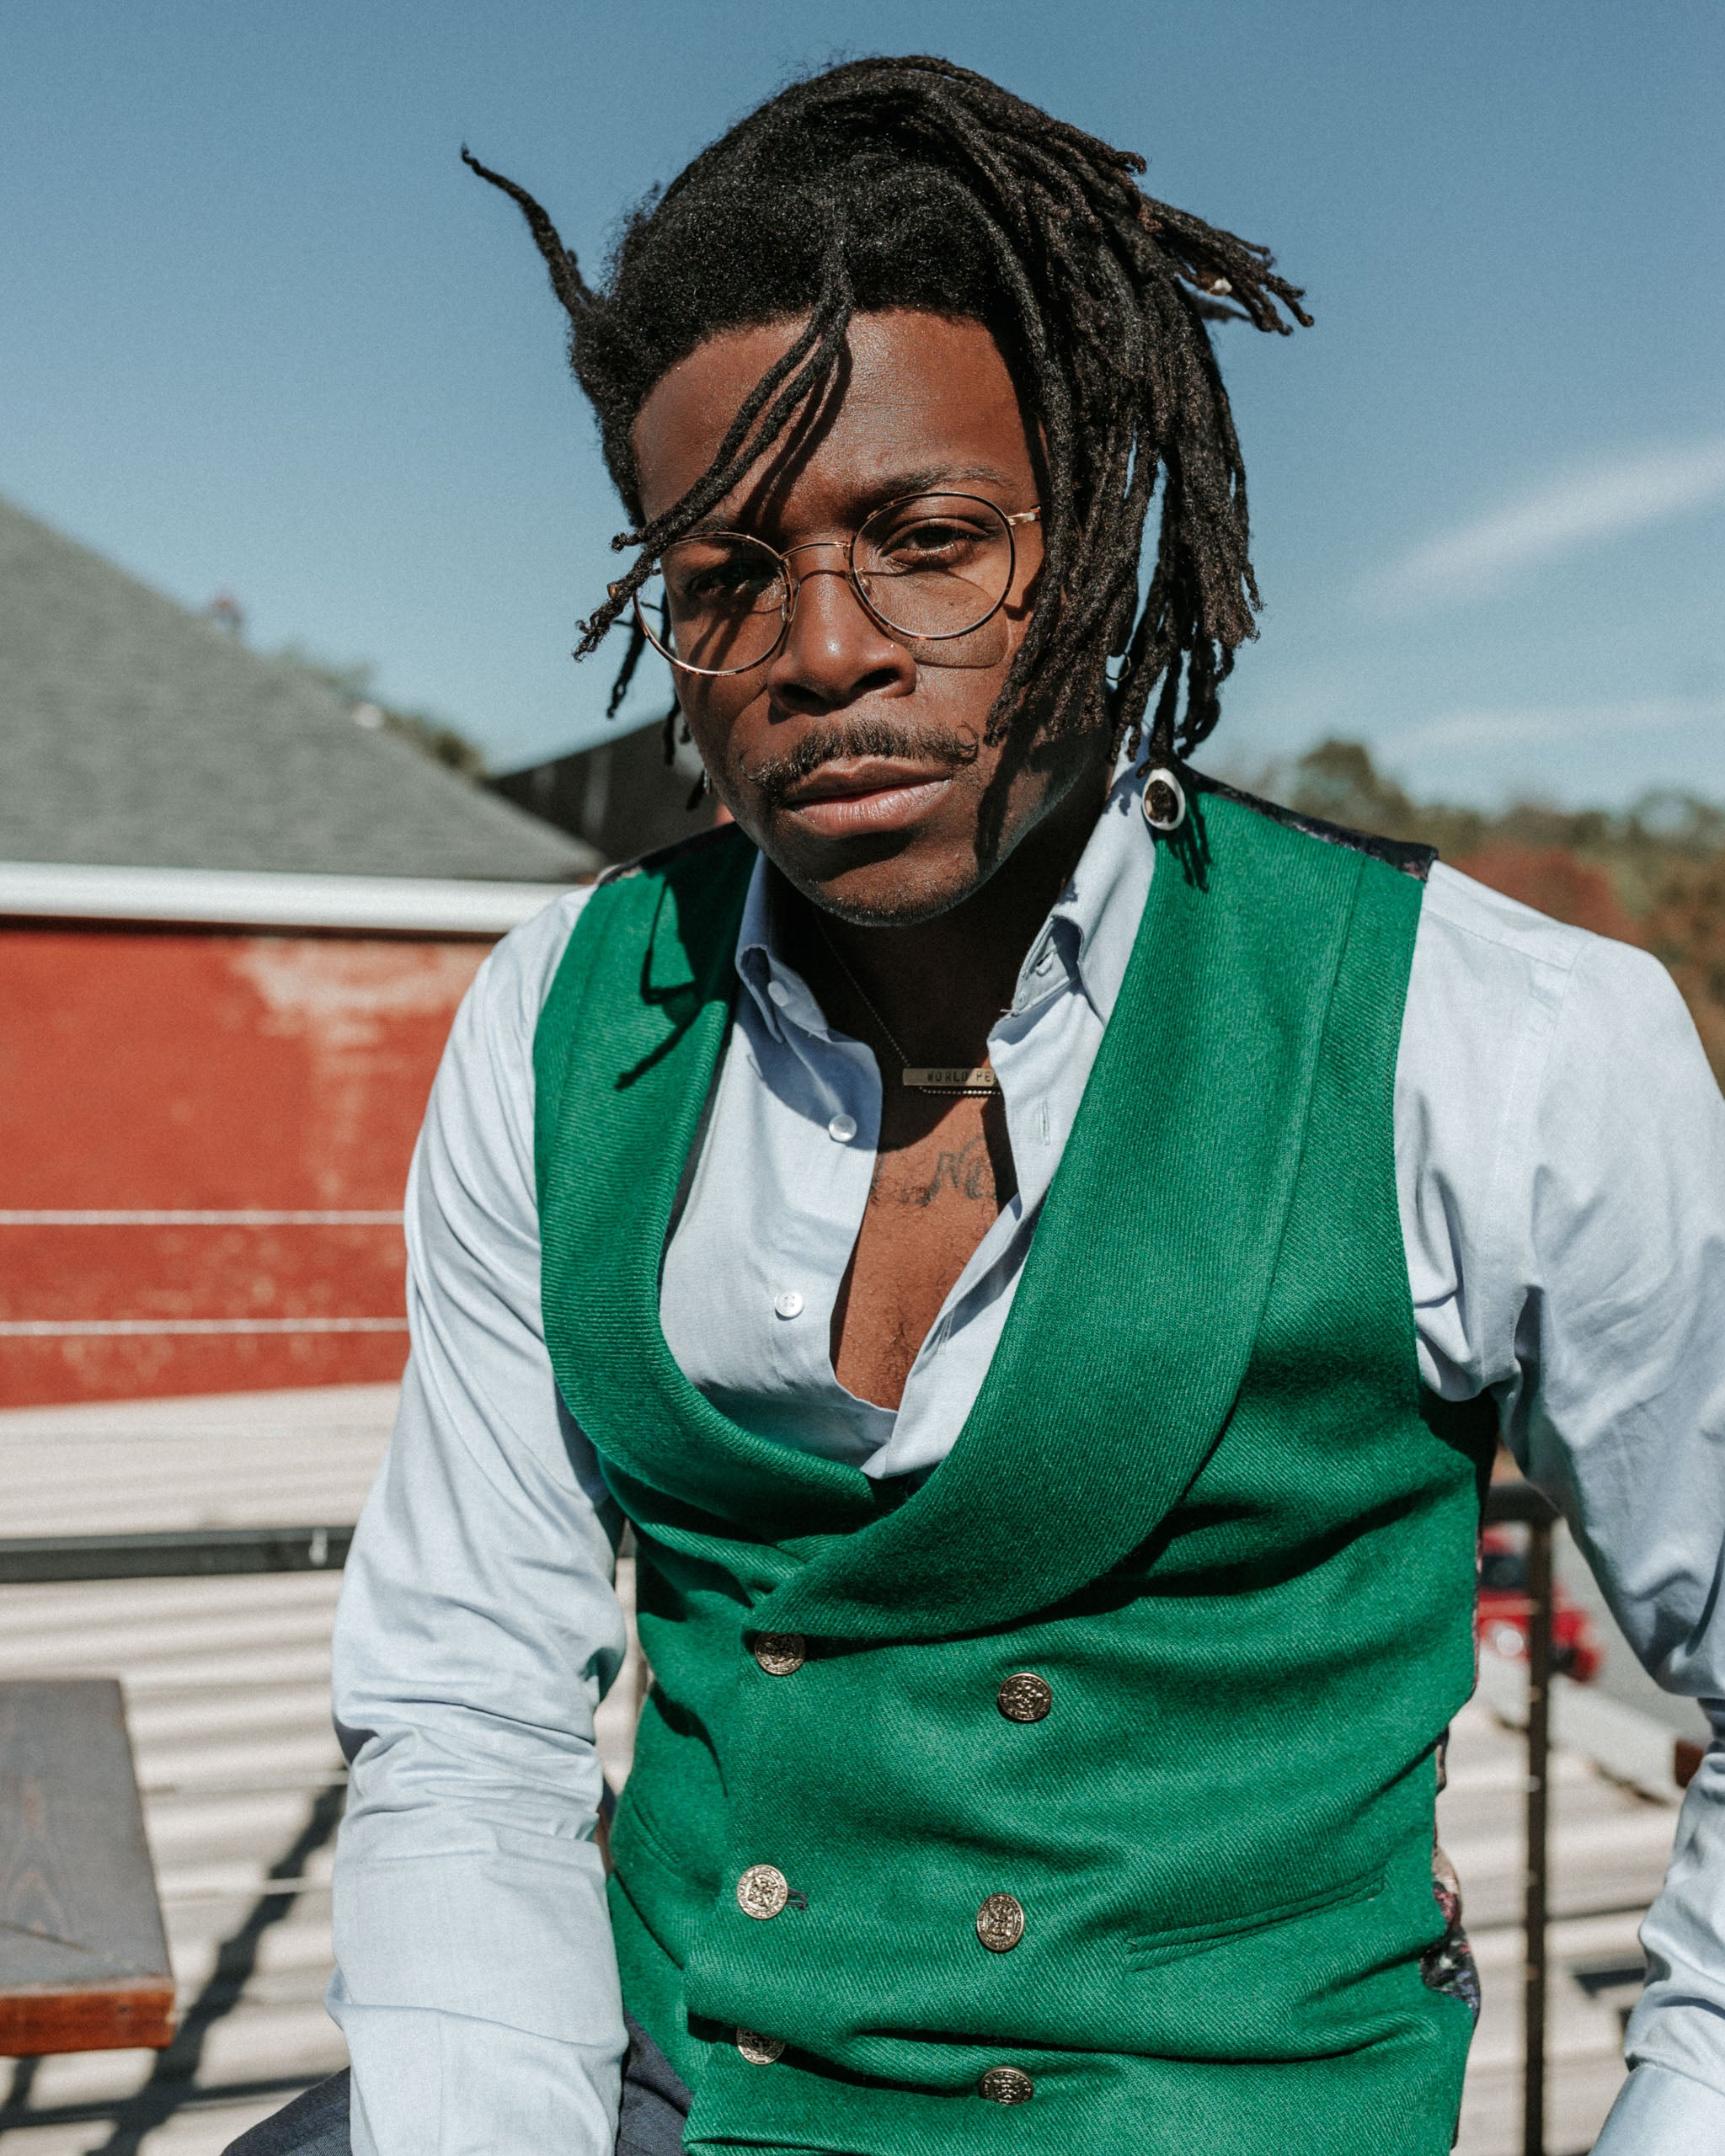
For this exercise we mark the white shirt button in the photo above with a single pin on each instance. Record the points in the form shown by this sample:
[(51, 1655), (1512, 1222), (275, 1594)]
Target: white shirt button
[(778, 992), (790, 1304), (842, 1129)]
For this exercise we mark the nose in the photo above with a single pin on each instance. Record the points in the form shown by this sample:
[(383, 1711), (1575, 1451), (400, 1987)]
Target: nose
[(835, 652)]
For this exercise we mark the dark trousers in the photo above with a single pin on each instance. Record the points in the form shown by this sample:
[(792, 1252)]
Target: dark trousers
[(655, 2104)]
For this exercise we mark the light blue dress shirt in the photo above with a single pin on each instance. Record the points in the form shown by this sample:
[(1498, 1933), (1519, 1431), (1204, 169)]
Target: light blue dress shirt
[(1560, 1150)]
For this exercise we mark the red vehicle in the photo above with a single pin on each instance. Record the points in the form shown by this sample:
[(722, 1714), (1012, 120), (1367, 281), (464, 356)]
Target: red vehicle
[(1502, 1614)]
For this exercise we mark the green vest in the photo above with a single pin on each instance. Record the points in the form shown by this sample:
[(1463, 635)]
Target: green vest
[(1201, 1496)]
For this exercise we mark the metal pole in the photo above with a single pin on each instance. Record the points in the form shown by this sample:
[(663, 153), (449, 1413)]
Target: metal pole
[(1539, 1746)]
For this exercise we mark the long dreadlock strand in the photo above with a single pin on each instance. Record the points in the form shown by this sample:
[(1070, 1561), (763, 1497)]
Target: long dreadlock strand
[(626, 672), (566, 279)]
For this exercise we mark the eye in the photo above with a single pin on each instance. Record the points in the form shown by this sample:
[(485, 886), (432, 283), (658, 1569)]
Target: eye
[(928, 543), (728, 580), (701, 575)]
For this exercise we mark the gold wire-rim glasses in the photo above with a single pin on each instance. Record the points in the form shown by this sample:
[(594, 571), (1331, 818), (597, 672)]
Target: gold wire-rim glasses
[(1009, 520)]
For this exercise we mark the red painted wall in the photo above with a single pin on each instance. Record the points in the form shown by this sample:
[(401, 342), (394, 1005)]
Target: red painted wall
[(143, 1070)]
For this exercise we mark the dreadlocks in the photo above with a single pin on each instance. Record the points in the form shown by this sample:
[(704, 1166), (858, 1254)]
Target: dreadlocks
[(915, 183)]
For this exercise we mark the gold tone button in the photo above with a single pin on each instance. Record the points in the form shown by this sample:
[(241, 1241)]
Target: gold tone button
[(1024, 1697), (781, 1654), (1006, 2084), (999, 1925), (762, 1891), (759, 2050)]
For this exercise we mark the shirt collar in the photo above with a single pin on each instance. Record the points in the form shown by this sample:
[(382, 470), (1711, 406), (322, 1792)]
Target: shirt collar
[(779, 991), (1093, 925), (1087, 940)]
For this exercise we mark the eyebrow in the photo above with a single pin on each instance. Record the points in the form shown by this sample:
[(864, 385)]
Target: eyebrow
[(932, 479)]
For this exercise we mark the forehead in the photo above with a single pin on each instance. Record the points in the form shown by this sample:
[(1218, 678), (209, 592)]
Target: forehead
[(914, 394)]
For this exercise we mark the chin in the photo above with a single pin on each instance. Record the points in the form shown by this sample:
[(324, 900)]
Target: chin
[(899, 893)]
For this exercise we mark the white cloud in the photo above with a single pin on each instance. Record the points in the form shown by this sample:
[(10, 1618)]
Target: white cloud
[(1622, 495), (1568, 726)]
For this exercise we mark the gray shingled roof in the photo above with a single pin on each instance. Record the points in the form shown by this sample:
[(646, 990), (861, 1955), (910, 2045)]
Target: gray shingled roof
[(134, 734)]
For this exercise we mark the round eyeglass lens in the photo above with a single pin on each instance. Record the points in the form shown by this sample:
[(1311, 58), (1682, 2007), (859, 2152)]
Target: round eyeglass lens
[(936, 565), (717, 604)]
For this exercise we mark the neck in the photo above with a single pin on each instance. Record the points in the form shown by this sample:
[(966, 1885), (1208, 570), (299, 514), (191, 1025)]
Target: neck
[(941, 984)]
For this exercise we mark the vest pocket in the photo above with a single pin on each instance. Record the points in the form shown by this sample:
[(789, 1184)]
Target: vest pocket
[(1151, 1949)]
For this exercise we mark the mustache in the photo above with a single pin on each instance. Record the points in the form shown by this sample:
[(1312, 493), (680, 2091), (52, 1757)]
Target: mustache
[(775, 775)]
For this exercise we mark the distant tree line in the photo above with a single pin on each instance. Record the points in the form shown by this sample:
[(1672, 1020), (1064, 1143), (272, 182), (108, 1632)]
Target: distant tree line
[(433, 737)]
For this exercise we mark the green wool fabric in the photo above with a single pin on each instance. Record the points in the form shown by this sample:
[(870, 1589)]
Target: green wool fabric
[(1200, 1493)]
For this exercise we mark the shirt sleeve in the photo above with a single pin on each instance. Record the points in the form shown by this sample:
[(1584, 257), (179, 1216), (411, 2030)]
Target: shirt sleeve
[(477, 1630), (1625, 1428), (1608, 1237)]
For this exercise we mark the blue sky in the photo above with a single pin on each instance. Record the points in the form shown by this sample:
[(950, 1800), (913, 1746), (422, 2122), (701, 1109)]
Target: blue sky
[(262, 333)]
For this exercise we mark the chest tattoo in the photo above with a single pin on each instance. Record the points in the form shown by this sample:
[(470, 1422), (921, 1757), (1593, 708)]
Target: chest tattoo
[(966, 1173)]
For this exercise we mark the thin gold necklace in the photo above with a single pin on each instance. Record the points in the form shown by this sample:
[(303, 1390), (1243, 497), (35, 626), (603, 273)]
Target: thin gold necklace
[(921, 1077)]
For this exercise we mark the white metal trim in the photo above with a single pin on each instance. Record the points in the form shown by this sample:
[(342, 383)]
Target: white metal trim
[(129, 1328), (245, 1217), (259, 898)]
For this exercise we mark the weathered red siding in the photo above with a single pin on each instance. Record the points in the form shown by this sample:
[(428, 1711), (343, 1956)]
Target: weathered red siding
[(148, 1069)]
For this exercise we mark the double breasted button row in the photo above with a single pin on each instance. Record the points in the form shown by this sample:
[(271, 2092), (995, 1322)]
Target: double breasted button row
[(763, 1891), (779, 1654), (1001, 2085), (1023, 1697)]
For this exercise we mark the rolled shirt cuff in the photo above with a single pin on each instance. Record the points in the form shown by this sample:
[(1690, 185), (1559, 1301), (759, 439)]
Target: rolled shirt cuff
[(1661, 2113)]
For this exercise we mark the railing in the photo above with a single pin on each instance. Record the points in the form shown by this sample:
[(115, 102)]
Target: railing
[(38, 1559), (1508, 1502), (35, 1560)]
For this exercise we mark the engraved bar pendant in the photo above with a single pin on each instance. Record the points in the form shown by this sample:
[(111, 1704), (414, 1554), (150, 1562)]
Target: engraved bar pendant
[(950, 1078)]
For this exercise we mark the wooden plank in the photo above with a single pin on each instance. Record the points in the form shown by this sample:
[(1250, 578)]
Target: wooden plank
[(35, 2025), (83, 1960)]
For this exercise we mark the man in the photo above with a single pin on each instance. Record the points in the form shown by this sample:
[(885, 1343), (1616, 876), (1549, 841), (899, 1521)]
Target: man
[(1039, 1247)]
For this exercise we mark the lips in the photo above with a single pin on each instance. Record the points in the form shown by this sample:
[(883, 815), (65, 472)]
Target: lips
[(857, 794)]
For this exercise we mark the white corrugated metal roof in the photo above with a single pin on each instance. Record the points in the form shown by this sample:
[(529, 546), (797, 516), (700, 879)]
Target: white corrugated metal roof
[(1610, 1847), (228, 1695)]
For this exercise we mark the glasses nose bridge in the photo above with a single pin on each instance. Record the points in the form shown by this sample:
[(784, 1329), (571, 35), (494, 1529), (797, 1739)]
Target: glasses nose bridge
[(793, 577), (802, 546)]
